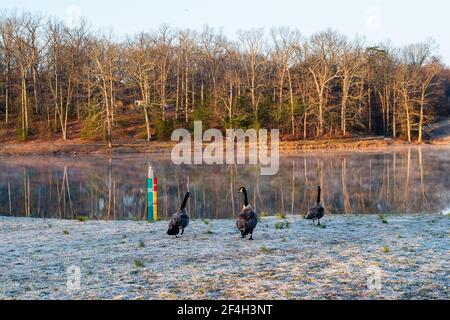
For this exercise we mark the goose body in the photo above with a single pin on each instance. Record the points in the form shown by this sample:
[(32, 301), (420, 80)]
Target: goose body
[(247, 219), (180, 219), (318, 212)]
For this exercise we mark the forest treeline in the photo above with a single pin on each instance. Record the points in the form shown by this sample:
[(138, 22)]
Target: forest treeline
[(325, 85)]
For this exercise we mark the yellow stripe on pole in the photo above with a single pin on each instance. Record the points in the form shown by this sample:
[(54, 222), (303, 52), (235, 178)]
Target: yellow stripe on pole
[(155, 205)]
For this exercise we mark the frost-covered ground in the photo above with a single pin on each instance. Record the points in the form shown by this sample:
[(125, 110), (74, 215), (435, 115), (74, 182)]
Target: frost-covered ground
[(137, 260)]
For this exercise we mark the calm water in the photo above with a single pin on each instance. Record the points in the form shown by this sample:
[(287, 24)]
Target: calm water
[(405, 180)]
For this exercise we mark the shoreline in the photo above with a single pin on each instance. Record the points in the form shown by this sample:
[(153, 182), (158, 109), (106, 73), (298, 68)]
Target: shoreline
[(129, 259), (81, 147)]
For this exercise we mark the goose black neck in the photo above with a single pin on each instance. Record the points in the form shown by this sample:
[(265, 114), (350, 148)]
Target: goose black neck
[(183, 205), (244, 191), (318, 195)]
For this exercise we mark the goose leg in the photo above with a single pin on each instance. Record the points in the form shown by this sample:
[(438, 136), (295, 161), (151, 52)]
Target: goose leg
[(318, 224), (182, 231), (251, 236)]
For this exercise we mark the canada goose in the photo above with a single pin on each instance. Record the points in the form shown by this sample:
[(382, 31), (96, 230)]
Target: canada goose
[(318, 211), (248, 219), (179, 220)]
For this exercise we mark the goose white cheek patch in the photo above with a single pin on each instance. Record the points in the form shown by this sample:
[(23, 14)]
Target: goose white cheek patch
[(237, 147)]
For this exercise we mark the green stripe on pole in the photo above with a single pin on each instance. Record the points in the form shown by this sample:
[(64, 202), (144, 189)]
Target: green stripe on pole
[(150, 207)]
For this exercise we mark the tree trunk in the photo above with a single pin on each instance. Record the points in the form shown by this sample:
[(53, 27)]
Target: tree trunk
[(177, 102), (7, 102), (408, 120), (394, 124), (291, 93), (321, 100), (421, 121), (36, 99), (186, 88), (163, 90), (305, 123)]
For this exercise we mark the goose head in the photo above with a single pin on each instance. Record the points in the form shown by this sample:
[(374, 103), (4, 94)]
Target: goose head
[(244, 192), (186, 197), (319, 190)]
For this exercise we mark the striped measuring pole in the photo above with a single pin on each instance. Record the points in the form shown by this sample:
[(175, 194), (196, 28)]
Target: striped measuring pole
[(152, 196)]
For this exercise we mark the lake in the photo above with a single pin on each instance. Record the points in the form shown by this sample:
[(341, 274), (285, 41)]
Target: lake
[(398, 180)]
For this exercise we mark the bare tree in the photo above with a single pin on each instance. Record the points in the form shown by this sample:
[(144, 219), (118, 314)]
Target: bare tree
[(285, 42), (187, 43), (106, 58), (163, 50), (323, 51), (214, 50), (141, 67), (352, 69), (6, 47), (23, 57), (60, 57), (253, 60), (231, 81)]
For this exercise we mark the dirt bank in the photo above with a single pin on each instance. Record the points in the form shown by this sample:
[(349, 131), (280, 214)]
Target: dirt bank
[(84, 147)]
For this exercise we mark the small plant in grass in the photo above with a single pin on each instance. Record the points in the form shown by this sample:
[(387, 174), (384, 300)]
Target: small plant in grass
[(281, 216), (139, 264), (83, 218), (288, 295), (65, 232), (141, 244), (201, 291), (282, 225), (386, 249), (205, 221), (263, 214), (209, 231), (383, 219), (264, 249)]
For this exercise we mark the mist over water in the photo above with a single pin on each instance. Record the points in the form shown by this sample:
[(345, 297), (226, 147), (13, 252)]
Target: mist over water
[(403, 180)]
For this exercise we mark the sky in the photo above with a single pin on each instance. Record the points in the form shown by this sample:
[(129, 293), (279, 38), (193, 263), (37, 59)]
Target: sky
[(401, 21)]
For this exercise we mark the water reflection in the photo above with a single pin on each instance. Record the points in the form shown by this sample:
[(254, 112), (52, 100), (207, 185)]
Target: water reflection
[(397, 181)]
